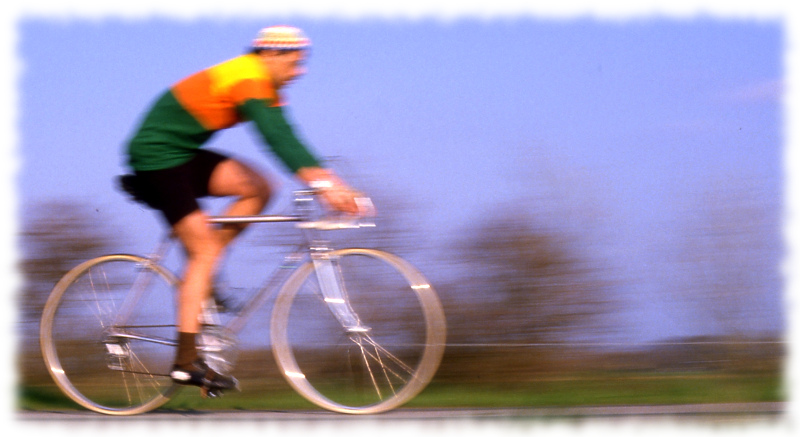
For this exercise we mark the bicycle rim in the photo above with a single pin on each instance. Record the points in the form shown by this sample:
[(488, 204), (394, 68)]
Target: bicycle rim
[(107, 334), (360, 372)]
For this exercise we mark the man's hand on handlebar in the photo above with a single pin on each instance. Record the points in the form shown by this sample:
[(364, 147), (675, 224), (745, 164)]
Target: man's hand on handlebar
[(335, 194)]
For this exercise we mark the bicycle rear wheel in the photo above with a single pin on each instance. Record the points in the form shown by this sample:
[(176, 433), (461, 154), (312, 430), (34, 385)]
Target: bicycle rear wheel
[(108, 334), (361, 371)]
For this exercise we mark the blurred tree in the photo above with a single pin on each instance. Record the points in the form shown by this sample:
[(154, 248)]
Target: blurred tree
[(55, 237), (730, 259), (528, 283)]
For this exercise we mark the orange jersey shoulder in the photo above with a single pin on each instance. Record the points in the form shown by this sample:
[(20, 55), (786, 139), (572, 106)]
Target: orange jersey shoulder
[(212, 95)]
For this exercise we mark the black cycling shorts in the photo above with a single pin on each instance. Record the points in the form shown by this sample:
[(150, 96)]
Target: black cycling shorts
[(174, 191)]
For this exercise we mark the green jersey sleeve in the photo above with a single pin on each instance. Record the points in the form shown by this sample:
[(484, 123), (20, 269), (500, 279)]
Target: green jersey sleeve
[(278, 134)]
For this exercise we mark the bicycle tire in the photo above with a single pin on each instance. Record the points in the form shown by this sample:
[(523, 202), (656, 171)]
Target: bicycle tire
[(360, 373), (95, 365)]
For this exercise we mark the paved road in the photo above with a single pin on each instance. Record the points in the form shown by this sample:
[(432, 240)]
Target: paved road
[(760, 419), (767, 411)]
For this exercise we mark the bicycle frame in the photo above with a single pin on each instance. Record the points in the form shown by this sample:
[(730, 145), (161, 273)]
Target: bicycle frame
[(314, 248)]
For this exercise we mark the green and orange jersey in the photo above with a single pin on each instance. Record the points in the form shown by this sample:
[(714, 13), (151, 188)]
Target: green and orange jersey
[(192, 110)]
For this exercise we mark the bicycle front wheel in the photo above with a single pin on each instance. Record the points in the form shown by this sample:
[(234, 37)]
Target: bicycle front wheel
[(384, 362), (108, 334)]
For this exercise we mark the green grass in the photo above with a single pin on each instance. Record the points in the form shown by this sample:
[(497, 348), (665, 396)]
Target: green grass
[(609, 389), (606, 388)]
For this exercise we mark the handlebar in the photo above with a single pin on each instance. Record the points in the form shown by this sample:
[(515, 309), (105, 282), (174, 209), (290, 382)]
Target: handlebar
[(303, 219), (336, 223), (325, 224)]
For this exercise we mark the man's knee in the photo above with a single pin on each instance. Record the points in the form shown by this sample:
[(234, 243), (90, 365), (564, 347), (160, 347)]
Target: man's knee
[(234, 178), (201, 243), (258, 187)]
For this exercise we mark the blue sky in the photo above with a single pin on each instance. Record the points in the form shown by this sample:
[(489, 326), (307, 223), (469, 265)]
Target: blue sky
[(627, 121)]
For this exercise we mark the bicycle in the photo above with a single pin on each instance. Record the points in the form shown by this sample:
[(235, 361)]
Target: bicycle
[(354, 330)]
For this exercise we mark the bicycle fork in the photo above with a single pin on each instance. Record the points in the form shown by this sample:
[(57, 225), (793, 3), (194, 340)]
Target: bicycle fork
[(334, 292), (384, 369)]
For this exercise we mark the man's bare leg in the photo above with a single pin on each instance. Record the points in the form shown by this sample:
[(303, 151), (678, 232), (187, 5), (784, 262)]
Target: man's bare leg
[(205, 245)]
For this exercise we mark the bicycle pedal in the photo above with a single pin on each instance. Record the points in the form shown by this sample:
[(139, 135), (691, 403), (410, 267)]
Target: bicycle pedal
[(210, 393)]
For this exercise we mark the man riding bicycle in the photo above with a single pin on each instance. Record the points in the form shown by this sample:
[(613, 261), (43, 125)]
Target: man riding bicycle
[(172, 171)]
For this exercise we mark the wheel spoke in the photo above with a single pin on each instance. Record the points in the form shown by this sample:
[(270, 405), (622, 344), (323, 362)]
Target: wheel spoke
[(381, 350), (364, 356), (95, 297)]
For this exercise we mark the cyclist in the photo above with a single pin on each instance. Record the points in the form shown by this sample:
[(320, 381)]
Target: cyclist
[(172, 171)]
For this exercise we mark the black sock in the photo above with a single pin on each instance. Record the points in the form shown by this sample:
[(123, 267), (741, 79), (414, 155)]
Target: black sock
[(187, 349)]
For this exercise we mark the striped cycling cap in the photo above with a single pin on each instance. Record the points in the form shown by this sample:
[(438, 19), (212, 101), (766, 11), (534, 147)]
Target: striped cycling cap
[(281, 38)]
